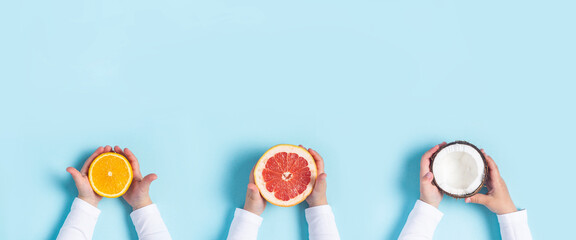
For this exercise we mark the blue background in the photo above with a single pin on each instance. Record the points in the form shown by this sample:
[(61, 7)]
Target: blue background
[(200, 89)]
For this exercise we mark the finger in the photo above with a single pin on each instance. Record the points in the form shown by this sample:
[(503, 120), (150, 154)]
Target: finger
[(426, 184), (427, 178), (76, 175), (134, 162), (489, 184), (251, 178), (321, 185), (86, 165), (489, 160), (107, 148), (425, 161), (318, 159), (146, 181), (253, 192), (478, 199), (302, 146), (118, 150), (492, 167)]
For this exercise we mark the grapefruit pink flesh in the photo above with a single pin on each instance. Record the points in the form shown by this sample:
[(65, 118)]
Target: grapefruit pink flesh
[(285, 175)]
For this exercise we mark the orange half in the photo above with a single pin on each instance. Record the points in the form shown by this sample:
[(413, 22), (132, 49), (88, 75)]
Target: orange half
[(110, 175)]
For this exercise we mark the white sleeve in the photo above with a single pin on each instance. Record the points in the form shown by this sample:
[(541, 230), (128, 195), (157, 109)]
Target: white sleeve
[(514, 226), (244, 226), (80, 222), (149, 224), (321, 223), (421, 222)]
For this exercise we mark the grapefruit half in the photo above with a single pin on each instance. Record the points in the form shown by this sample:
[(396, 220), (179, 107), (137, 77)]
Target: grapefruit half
[(285, 175)]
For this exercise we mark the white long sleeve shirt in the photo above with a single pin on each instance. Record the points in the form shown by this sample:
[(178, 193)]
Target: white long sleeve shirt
[(82, 219), (321, 224), (424, 219)]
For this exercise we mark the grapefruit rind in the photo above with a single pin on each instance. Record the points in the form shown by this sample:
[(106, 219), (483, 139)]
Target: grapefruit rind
[(128, 183), (261, 164)]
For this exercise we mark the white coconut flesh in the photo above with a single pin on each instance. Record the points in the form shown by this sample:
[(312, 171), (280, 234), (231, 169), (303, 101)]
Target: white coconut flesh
[(458, 169)]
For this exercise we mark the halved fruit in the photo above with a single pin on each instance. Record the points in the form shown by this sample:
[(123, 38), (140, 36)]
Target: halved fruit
[(285, 175), (110, 175), (459, 169)]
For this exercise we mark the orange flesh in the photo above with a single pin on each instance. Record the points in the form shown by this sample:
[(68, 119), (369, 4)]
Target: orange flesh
[(110, 175)]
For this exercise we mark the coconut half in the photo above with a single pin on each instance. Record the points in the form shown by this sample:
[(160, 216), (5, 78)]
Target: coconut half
[(459, 169)]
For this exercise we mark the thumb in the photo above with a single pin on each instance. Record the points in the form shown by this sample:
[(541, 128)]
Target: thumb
[(478, 199), (427, 178), (149, 179), (253, 192), (77, 176), (320, 185)]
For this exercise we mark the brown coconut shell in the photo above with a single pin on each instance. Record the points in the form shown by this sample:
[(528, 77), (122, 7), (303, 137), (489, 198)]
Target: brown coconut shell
[(483, 179)]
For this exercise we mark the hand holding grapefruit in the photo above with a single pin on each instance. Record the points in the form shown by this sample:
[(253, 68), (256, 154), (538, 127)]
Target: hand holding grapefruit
[(254, 202), (285, 175), (318, 195)]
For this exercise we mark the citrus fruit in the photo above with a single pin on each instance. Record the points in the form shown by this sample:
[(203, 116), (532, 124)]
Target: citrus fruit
[(110, 175), (285, 175)]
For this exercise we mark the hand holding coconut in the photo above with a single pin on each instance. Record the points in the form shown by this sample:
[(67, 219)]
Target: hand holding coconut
[(429, 193), (498, 198), (459, 169)]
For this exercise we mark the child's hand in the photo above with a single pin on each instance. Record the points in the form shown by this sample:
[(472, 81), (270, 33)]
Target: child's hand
[(318, 195), (429, 193), (137, 195), (498, 199), (255, 203), (85, 191)]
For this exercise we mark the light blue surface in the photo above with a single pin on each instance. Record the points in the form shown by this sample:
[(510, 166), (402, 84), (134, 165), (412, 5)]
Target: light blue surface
[(199, 90)]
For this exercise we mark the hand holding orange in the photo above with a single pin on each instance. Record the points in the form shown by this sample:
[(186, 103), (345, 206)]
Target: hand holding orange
[(138, 194), (85, 191), (113, 173)]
